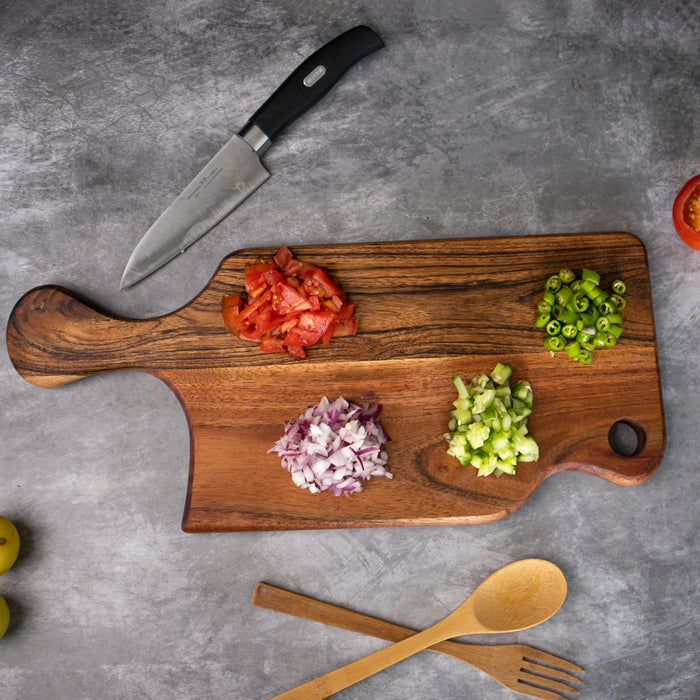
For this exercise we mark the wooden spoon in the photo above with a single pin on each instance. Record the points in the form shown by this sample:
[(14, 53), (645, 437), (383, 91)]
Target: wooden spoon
[(519, 595)]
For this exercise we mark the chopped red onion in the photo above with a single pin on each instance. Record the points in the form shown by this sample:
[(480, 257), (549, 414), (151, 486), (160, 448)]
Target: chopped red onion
[(334, 446)]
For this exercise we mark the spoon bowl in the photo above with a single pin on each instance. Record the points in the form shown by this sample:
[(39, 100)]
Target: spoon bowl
[(517, 596)]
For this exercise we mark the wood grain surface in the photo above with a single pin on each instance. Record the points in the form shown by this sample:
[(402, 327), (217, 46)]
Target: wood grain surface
[(427, 309)]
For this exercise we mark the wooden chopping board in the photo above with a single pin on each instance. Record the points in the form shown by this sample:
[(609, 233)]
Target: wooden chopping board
[(427, 309)]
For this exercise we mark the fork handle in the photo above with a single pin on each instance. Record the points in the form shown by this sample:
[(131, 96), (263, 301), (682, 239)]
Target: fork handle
[(280, 600)]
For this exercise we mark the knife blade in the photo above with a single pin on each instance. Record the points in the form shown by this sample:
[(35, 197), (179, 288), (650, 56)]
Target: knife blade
[(236, 171)]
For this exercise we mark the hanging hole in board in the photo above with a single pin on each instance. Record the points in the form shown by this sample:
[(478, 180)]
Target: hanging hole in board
[(627, 438)]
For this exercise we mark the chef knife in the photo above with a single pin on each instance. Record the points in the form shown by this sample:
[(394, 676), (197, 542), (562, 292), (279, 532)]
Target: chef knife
[(236, 171)]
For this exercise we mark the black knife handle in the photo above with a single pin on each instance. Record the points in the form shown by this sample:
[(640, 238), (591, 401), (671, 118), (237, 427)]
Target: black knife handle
[(314, 78)]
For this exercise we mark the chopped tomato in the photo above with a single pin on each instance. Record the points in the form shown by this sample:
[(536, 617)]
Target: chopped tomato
[(316, 320), (254, 275), (302, 336), (686, 212), (272, 277), (282, 257), (347, 327), (272, 345), (346, 311), (288, 299), (290, 306), (252, 307), (297, 351), (230, 308), (318, 283)]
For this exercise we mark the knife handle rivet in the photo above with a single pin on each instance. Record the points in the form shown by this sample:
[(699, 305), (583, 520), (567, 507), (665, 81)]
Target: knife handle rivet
[(316, 74)]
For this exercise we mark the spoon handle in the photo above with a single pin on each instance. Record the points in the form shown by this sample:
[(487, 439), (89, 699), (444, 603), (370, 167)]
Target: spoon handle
[(345, 676), (271, 597)]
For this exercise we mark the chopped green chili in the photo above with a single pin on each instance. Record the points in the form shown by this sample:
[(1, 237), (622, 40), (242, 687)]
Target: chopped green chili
[(609, 340), (608, 306), (579, 315), (555, 343), (572, 349), (564, 296), (590, 275), (600, 297), (602, 324), (542, 320), (618, 300), (593, 290), (580, 302), (553, 284), (585, 320), (567, 276), (585, 356), (553, 327), (565, 316), (619, 287)]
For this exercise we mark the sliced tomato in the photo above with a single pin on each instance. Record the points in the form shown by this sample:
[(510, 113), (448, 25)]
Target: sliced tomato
[(272, 344), (346, 311), (230, 308), (289, 299), (255, 293), (291, 305), (328, 334), (297, 268), (282, 257), (302, 336), (346, 327), (255, 275), (289, 321), (250, 310), (317, 282), (249, 331), (297, 351), (316, 320), (267, 319), (273, 277), (686, 212)]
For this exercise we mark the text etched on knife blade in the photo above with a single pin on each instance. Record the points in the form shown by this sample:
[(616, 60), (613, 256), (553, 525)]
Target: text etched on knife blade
[(204, 182)]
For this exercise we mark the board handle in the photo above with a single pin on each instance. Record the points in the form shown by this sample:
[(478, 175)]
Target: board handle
[(54, 337)]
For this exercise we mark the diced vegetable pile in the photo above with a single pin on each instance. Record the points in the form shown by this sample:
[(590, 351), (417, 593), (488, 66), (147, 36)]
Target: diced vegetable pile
[(579, 316), (334, 446), (290, 306), (488, 425)]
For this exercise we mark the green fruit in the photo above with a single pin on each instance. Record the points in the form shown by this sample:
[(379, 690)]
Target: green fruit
[(9, 544), (4, 617)]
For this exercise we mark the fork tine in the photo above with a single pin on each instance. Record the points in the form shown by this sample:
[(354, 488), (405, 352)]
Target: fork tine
[(537, 692), (548, 671), (543, 657), (544, 682)]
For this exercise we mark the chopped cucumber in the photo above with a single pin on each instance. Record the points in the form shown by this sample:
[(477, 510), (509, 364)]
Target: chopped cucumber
[(488, 425), (501, 373)]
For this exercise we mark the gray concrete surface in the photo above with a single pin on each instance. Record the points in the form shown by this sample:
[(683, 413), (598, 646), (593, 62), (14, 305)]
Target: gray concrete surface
[(479, 118)]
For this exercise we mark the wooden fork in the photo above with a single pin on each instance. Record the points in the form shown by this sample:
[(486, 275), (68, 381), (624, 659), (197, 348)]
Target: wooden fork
[(518, 667)]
